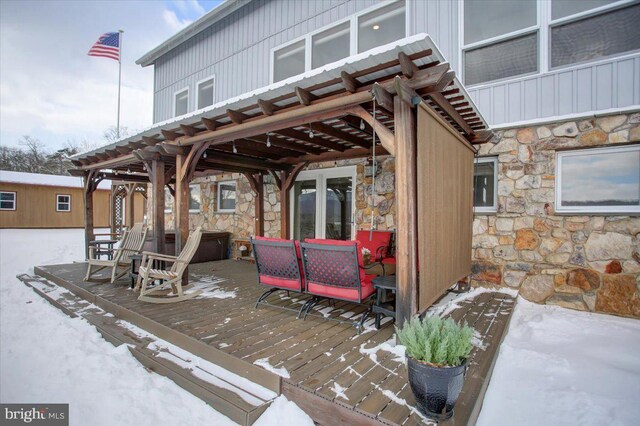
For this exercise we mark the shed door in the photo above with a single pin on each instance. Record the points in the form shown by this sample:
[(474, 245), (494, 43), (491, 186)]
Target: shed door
[(445, 206)]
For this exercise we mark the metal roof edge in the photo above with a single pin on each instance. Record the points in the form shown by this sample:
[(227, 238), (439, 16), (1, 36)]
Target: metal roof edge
[(219, 12)]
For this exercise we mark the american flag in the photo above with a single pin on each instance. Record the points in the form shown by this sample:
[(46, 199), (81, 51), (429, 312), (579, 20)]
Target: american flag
[(107, 46)]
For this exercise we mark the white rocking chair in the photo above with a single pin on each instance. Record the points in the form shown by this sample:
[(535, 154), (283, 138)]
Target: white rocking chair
[(130, 244), (170, 279)]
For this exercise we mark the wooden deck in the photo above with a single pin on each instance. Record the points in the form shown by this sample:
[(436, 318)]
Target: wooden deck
[(334, 374)]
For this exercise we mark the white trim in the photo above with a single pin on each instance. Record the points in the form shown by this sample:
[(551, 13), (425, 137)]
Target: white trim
[(353, 31), (320, 176), (226, 182), (58, 202), (175, 94), (14, 201), (494, 207), (567, 117), (213, 89), (560, 209)]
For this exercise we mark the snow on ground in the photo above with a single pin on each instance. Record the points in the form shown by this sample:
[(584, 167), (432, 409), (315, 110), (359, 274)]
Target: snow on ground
[(563, 367), (46, 356)]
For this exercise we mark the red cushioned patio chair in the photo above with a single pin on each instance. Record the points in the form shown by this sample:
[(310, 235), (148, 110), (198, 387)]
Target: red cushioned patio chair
[(377, 242), (334, 269), (279, 266)]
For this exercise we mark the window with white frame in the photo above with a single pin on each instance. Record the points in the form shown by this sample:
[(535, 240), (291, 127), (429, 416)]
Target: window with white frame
[(599, 180), (195, 200), (7, 200), (289, 61), (485, 185), (204, 93), (63, 203), (500, 39), (582, 31), (370, 28), (503, 39), (181, 102), (226, 201), (381, 26)]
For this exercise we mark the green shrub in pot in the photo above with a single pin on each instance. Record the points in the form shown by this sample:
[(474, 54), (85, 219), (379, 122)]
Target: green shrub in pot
[(437, 352)]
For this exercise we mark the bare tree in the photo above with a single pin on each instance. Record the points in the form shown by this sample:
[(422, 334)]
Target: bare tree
[(111, 134)]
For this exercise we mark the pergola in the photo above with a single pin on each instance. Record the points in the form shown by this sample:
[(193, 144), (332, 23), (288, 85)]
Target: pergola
[(323, 115)]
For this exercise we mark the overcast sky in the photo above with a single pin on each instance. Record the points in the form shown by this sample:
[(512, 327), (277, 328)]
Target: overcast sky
[(50, 89)]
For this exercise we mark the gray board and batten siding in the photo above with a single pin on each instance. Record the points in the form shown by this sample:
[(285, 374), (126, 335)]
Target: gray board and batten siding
[(237, 50)]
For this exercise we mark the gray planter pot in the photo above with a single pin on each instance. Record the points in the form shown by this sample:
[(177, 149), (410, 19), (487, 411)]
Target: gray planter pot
[(436, 389)]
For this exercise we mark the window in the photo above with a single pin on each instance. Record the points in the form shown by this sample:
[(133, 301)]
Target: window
[(289, 61), (500, 39), (503, 39), (381, 26), (181, 102), (378, 25), (227, 196), (204, 93), (586, 38), (63, 203), (601, 180), (194, 198), (7, 200), (485, 184), (330, 45), (168, 201)]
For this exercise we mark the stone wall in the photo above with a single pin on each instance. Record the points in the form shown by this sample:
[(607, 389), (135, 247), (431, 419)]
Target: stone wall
[(581, 262)]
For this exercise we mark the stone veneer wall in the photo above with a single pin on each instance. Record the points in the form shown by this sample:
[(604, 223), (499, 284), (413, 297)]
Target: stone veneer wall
[(582, 262), (589, 263)]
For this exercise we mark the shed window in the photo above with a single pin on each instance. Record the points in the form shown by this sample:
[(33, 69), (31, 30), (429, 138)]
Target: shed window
[(289, 61), (381, 26), (601, 180), (501, 39), (63, 203), (485, 181), (7, 200), (331, 45), (595, 36), (181, 102), (227, 196), (205, 93)]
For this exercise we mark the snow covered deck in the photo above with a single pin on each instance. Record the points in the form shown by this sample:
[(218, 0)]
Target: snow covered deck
[(324, 366)]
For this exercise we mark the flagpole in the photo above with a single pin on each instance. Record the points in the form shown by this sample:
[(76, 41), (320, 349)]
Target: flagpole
[(120, 33)]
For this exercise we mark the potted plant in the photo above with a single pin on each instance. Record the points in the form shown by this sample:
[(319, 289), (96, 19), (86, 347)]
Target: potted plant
[(437, 352)]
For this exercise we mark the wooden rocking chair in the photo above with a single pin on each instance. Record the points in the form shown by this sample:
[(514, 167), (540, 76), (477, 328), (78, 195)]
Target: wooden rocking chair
[(131, 243), (169, 279)]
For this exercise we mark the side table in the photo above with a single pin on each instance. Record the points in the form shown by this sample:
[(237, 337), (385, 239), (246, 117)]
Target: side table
[(382, 284)]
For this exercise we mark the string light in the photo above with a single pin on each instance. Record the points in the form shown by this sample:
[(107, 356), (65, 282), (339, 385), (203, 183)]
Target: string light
[(311, 135), (204, 155), (235, 151), (268, 140), (361, 124)]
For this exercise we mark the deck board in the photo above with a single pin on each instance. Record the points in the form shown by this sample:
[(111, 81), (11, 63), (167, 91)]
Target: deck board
[(322, 354)]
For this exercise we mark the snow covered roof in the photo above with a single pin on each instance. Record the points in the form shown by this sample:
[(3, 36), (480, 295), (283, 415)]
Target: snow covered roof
[(46, 180), (410, 45)]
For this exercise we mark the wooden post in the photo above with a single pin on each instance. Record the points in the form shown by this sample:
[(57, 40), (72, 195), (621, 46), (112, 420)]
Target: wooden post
[(129, 205), (259, 205), (157, 180), (88, 215), (182, 204), (406, 202), (284, 205)]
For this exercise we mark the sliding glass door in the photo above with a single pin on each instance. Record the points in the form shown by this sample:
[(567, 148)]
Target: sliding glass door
[(322, 204)]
